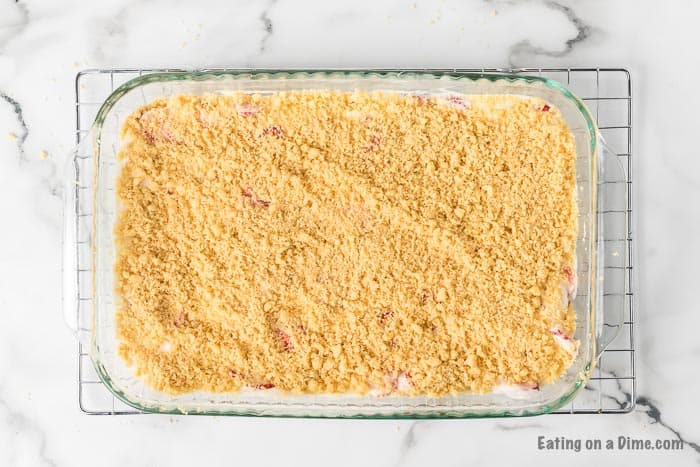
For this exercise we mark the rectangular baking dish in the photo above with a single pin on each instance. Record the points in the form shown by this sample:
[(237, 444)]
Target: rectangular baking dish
[(93, 183)]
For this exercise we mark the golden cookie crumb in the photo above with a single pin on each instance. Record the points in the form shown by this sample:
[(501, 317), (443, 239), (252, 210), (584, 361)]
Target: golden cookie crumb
[(345, 242)]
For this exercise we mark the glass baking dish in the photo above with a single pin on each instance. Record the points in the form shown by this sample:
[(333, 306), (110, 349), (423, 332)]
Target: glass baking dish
[(94, 169)]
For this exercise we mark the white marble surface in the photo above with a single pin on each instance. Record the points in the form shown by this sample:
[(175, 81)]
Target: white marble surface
[(44, 44)]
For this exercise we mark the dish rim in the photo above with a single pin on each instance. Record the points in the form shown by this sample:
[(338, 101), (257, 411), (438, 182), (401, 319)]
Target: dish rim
[(257, 74)]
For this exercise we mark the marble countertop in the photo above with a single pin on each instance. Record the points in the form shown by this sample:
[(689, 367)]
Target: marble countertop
[(44, 44)]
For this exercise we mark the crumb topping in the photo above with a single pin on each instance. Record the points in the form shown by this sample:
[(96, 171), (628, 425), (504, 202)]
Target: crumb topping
[(346, 242)]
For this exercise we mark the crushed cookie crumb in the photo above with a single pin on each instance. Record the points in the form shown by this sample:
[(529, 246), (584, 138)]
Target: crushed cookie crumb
[(297, 259)]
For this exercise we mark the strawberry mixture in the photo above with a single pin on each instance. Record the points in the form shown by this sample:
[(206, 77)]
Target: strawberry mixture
[(334, 242)]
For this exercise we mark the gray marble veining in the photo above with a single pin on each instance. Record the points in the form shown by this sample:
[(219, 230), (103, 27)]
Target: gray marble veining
[(524, 52), (267, 25), (24, 130)]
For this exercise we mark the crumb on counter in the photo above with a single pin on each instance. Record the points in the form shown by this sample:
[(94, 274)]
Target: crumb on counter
[(332, 242), (43, 154)]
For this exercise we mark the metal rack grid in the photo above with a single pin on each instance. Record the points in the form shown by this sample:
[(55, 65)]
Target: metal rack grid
[(608, 94)]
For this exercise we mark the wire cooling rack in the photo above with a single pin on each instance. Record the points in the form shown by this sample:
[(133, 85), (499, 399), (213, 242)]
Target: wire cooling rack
[(608, 94)]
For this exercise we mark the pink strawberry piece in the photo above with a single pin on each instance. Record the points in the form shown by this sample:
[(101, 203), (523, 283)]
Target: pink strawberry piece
[(570, 285), (180, 321), (285, 340), (155, 126), (274, 130), (205, 119), (247, 110), (569, 273), (161, 134), (373, 144), (168, 136), (564, 340), (147, 117), (403, 381), (425, 297), (264, 386), (149, 135), (393, 381), (399, 381), (545, 108), (559, 332), (530, 386), (422, 100), (254, 201), (458, 102)]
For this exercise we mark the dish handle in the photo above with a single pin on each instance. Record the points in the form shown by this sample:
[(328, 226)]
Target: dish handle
[(77, 277), (609, 313)]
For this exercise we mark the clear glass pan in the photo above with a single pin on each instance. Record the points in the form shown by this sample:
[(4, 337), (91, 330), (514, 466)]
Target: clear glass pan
[(95, 166)]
